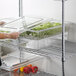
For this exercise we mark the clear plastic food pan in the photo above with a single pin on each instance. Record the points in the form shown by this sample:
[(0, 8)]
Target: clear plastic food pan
[(14, 25), (43, 29), (13, 61), (20, 24), (8, 25)]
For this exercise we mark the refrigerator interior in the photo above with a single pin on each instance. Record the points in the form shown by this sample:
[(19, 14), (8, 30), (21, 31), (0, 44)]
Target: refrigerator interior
[(40, 41)]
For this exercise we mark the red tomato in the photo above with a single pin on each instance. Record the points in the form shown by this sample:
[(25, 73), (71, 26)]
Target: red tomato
[(34, 69), (27, 70)]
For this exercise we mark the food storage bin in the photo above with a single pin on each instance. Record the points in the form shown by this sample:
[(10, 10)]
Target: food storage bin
[(15, 25), (13, 60), (42, 34), (9, 25), (12, 26), (43, 29)]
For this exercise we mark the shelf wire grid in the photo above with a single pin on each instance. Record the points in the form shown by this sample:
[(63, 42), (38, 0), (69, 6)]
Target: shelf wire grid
[(39, 73), (54, 50)]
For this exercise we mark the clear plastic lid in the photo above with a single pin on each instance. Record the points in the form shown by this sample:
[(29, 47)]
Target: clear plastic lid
[(14, 25)]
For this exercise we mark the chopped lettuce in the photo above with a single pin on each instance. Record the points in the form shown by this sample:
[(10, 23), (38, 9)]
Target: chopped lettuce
[(5, 31), (46, 26)]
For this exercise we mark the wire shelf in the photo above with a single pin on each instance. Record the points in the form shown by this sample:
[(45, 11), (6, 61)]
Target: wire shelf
[(40, 73), (54, 50)]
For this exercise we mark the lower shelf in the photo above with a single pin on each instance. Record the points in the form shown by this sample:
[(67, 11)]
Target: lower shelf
[(40, 73), (43, 74)]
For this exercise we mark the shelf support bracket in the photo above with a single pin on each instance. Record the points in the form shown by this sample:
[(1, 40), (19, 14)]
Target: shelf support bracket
[(63, 40)]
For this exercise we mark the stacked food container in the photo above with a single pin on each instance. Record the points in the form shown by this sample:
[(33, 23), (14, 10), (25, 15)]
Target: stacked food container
[(21, 58), (38, 39)]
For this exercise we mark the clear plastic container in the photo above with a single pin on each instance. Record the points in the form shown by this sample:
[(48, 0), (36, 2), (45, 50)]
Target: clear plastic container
[(42, 34), (16, 25), (12, 26), (13, 61), (43, 29)]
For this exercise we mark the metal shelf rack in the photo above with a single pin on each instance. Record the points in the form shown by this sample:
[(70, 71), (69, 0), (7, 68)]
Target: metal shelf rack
[(40, 73), (52, 48)]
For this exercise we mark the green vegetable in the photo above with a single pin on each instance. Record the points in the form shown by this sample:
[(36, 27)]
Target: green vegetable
[(45, 26), (5, 31), (56, 24)]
